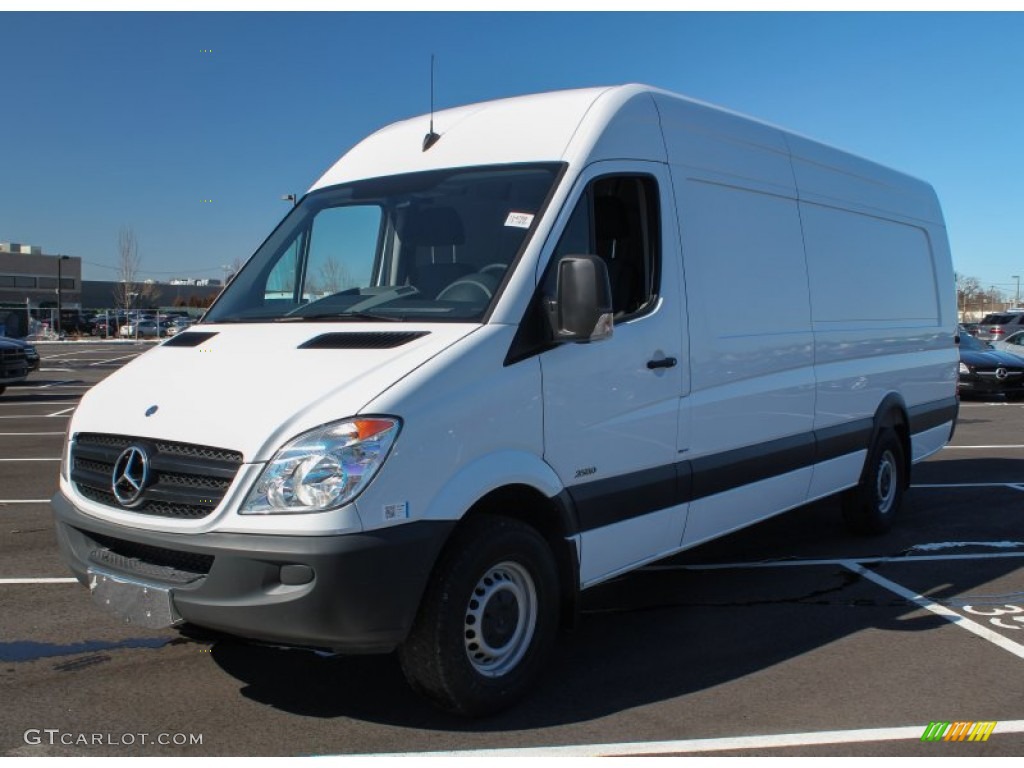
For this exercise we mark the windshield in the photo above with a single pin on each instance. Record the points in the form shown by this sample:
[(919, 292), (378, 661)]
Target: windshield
[(425, 246)]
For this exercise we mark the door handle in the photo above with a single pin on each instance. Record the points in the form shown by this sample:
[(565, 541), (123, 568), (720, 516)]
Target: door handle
[(665, 362)]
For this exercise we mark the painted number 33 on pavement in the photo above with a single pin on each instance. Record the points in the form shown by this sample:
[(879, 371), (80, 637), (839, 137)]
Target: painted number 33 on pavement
[(995, 614)]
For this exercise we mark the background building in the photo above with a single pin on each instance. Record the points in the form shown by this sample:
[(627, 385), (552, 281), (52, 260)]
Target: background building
[(27, 275)]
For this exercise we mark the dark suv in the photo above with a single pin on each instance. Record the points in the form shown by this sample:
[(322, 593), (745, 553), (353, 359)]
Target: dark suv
[(13, 363), (998, 325)]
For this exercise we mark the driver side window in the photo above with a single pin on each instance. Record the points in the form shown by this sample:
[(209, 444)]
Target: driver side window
[(617, 219)]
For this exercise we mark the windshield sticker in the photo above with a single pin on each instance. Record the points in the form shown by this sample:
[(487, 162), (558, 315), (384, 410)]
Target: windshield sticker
[(521, 220)]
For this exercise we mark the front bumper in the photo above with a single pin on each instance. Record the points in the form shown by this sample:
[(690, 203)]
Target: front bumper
[(976, 385), (353, 593)]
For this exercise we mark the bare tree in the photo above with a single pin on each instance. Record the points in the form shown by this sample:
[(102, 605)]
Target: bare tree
[(334, 276), (150, 293), (232, 269), (127, 287)]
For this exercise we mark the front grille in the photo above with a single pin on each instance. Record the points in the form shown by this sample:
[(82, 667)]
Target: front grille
[(994, 372), (12, 362), (185, 481), (147, 560)]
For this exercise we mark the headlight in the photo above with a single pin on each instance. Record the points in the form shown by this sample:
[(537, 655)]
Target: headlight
[(324, 468), (964, 369)]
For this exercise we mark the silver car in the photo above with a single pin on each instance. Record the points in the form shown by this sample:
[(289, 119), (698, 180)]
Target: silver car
[(1014, 344), (997, 326)]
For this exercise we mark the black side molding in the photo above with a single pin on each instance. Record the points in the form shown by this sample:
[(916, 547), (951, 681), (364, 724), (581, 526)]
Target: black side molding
[(623, 497)]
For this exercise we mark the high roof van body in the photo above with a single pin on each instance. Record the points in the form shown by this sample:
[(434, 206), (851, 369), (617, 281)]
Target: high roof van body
[(471, 375)]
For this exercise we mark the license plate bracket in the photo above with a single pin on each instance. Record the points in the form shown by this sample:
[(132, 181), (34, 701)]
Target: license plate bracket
[(139, 603)]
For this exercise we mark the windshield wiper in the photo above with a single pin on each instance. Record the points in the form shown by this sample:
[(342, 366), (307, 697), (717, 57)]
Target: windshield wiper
[(339, 316)]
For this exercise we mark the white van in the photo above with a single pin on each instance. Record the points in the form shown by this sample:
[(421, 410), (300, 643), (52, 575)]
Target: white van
[(473, 373)]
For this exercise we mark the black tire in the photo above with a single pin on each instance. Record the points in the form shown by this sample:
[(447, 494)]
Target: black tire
[(488, 621), (871, 507)]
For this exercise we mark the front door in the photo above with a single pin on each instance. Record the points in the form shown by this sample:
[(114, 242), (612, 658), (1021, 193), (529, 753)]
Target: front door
[(611, 407)]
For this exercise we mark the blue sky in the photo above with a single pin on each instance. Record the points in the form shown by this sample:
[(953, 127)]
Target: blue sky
[(114, 119)]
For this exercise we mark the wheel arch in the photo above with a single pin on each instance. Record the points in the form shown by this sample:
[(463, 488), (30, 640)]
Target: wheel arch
[(892, 413), (520, 485)]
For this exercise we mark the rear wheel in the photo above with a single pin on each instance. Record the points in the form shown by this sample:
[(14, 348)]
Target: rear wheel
[(871, 507), (488, 621)]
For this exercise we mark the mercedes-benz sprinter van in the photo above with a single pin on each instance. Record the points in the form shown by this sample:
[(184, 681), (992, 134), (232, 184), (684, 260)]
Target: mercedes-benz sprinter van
[(482, 367)]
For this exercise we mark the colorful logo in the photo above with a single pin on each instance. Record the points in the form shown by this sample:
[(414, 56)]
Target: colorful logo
[(960, 730)]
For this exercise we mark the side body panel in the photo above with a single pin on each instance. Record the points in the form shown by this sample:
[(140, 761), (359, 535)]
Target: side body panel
[(751, 406), (881, 281)]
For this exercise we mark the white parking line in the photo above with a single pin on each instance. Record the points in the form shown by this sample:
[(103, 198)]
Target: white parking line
[(38, 581), (979, 447), (948, 614), (56, 402), (66, 355), (38, 415), (768, 741), (965, 485), (56, 370), (28, 434), (989, 404), (113, 359), (899, 559)]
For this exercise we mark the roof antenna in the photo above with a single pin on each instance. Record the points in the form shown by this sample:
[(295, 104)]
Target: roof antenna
[(431, 138)]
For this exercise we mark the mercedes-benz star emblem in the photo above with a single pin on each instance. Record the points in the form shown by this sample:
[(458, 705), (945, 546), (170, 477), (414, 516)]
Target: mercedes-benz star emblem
[(1000, 373), (130, 475)]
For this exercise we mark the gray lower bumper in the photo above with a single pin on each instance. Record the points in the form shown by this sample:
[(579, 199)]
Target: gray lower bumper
[(356, 593)]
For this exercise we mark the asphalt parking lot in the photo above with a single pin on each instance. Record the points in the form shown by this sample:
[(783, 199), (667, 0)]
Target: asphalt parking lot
[(789, 638)]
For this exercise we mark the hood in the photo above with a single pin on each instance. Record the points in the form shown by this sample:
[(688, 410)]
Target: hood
[(991, 357), (250, 387)]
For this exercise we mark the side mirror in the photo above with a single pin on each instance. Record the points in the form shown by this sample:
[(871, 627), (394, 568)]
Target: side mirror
[(581, 310)]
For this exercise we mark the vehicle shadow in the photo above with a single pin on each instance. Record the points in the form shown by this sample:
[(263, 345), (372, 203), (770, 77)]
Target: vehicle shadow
[(657, 634)]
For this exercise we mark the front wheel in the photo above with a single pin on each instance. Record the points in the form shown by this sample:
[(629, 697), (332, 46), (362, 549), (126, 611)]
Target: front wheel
[(488, 621), (870, 507)]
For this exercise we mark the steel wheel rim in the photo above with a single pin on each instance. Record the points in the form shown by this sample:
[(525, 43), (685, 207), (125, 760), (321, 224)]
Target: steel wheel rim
[(886, 482), (500, 619)]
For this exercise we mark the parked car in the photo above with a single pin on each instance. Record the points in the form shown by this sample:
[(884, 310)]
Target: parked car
[(1014, 344), (551, 409), (14, 367), (998, 325), (178, 324), (73, 321), (107, 326), (988, 371), (31, 353), (144, 329)]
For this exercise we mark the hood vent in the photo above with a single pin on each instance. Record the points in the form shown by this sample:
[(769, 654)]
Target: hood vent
[(362, 340), (188, 339)]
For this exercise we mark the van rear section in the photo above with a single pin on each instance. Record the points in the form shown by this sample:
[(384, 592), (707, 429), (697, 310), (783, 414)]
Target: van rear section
[(466, 378)]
